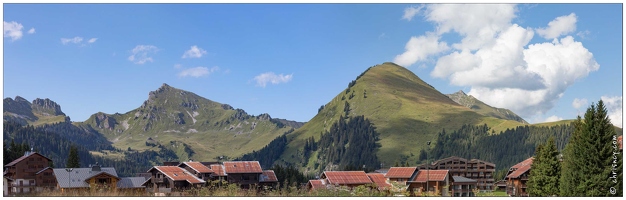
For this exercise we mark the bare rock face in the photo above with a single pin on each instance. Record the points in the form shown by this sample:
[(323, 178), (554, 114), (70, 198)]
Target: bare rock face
[(20, 108), (46, 107), (105, 122)]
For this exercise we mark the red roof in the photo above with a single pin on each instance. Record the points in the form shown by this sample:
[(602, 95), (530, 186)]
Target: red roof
[(268, 176), (218, 170), (238, 167), (380, 180), (197, 166), (24, 157), (400, 172), (178, 174), (316, 184), (619, 140), (431, 175), (520, 168), (346, 177)]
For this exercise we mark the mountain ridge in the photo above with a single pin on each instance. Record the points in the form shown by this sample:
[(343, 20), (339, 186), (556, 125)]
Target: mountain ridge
[(477, 105)]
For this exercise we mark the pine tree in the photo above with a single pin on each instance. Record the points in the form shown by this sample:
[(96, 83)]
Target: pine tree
[(73, 161), (589, 157), (545, 171)]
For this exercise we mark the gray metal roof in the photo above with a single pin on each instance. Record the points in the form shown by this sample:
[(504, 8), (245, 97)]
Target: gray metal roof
[(461, 179), (78, 176), (131, 182)]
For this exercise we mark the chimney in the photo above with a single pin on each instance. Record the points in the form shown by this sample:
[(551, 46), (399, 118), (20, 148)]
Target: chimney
[(95, 167)]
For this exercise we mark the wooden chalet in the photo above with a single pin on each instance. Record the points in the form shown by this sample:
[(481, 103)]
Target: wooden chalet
[(166, 179), (379, 181), (349, 179), (29, 173), (268, 179), (400, 174), (517, 177), (244, 173), (436, 180), (219, 172), (94, 177), (197, 169), (463, 187), (316, 184)]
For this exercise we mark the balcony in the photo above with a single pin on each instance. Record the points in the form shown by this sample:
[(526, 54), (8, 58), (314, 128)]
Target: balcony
[(158, 180)]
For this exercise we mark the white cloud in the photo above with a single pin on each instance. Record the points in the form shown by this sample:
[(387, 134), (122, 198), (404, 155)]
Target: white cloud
[(583, 34), (497, 61), (92, 40), (177, 66), (142, 54), (419, 49), (13, 30), (31, 31), (270, 77), (410, 12), (614, 108), (75, 40), (194, 52), (577, 103), (560, 26), (553, 118), (197, 71)]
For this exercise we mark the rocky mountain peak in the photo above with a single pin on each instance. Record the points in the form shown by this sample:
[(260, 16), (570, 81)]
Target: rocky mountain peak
[(460, 92), (20, 99), (46, 107)]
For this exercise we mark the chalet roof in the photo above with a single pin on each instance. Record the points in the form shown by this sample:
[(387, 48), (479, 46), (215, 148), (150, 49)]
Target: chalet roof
[(101, 172), (478, 161), (316, 184), (380, 180), (44, 169), (78, 176), (619, 140), (268, 176), (520, 168), (239, 167), (218, 170), (450, 158), (24, 157), (175, 173), (431, 175), (346, 177), (197, 166), (131, 182), (460, 179), (400, 172)]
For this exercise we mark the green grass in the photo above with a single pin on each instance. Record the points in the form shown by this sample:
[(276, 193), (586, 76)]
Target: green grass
[(47, 120), (406, 111)]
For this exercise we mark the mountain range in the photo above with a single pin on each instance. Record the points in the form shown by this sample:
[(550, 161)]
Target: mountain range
[(405, 111)]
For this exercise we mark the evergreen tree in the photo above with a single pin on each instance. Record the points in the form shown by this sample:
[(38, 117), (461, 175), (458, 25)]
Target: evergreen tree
[(73, 161), (589, 158), (545, 171)]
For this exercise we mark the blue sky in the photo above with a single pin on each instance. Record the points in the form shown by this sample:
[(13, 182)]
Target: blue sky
[(543, 61)]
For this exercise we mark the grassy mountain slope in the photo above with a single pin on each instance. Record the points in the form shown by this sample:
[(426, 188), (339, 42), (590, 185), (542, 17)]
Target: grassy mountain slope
[(406, 111), (478, 106), (180, 120)]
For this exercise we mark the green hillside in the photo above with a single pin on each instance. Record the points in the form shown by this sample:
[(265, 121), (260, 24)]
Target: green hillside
[(482, 108), (190, 125), (406, 111)]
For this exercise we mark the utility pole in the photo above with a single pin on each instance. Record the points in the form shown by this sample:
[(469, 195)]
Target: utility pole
[(428, 168)]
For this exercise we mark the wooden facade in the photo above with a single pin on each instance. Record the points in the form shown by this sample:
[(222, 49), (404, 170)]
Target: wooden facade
[(517, 177), (24, 173), (481, 171)]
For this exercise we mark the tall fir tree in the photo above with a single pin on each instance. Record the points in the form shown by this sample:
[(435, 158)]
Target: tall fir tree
[(589, 156), (73, 161), (545, 171)]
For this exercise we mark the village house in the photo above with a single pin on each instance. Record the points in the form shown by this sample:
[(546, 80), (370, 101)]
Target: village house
[(95, 178), (517, 178), (244, 173), (379, 181), (29, 173), (166, 179), (316, 184), (219, 172), (475, 169), (268, 179), (400, 174), (463, 187), (437, 181), (349, 179), (197, 169)]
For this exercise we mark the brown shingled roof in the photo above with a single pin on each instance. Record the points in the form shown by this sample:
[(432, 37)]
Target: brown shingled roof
[(380, 180), (316, 184), (178, 174), (24, 157), (268, 176), (346, 177), (619, 140), (218, 170), (400, 172), (520, 168), (197, 166), (431, 175), (238, 167)]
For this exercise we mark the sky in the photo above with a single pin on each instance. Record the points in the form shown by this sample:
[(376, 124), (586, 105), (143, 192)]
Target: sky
[(545, 62)]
